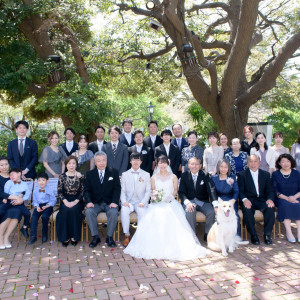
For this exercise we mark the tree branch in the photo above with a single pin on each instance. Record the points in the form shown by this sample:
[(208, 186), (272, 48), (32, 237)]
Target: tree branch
[(213, 25), (205, 5)]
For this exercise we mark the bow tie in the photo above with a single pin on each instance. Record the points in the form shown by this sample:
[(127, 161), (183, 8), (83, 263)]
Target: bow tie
[(135, 172), (41, 191), (17, 182)]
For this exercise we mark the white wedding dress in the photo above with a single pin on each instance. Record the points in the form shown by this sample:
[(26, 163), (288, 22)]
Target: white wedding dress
[(164, 232)]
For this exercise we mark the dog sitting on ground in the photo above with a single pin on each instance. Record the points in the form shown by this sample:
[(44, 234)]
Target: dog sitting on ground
[(222, 235)]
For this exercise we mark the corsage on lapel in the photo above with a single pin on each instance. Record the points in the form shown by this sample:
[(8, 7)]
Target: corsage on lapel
[(110, 178)]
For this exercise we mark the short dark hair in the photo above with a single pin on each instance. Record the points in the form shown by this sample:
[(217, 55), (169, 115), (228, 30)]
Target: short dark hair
[(136, 156), (99, 126), (162, 159), (192, 132), (71, 129), (116, 128), (42, 175), (287, 156), (22, 122), (278, 133), (213, 133), (67, 160), (127, 121), (166, 132), (3, 158), (16, 170), (175, 125), (152, 122), (137, 132)]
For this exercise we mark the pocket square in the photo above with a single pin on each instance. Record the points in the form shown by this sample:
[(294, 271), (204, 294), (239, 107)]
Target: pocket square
[(144, 152), (110, 178), (202, 182)]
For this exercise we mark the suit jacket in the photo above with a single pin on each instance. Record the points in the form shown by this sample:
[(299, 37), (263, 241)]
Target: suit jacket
[(148, 142), (247, 187), (205, 188), (124, 141), (93, 146), (174, 156), (147, 154), (75, 147), (108, 191), (29, 158), (184, 143), (129, 186), (118, 161)]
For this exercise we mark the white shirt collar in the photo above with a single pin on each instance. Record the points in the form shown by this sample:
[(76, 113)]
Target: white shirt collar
[(127, 134), (100, 143), (138, 170), (116, 143), (24, 138), (103, 172)]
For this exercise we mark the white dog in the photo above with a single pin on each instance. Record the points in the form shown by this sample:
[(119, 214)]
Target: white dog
[(222, 235)]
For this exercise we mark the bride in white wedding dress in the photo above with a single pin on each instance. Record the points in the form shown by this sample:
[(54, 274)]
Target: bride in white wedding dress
[(164, 232)]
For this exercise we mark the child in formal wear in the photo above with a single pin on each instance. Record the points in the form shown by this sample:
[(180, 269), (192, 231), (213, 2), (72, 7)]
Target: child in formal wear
[(43, 200)]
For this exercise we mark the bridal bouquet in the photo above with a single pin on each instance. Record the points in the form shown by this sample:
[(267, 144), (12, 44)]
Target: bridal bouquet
[(157, 196)]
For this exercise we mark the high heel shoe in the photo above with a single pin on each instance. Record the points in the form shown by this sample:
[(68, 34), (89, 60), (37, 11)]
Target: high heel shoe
[(291, 240)]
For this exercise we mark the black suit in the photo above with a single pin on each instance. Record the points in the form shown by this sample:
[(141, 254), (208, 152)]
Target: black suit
[(247, 190), (124, 141), (147, 154), (93, 146), (174, 156), (148, 142), (184, 143), (74, 148)]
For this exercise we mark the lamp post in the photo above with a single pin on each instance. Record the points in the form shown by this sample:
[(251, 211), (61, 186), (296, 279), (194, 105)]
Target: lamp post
[(150, 109)]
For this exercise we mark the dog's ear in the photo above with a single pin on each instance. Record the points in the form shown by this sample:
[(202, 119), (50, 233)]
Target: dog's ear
[(232, 201), (220, 201)]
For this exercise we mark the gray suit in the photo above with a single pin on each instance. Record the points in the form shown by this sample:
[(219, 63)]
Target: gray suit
[(119, 161)]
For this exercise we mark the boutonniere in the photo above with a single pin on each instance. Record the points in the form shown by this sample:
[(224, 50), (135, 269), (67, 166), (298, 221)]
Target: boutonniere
[(230, 181), (202, 182), (110, 178), (141, 179), (144, 152)]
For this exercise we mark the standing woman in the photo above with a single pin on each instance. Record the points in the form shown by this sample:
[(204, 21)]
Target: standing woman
[(224, 143), (266, 154), (53, 156), (286, 183), (70, 193), (85, 157), (193, 150), (212, 154), (249, 142), (278, 147), (296, 152)]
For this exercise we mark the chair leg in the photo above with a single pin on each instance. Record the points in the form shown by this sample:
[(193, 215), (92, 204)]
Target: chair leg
[(118, 230), (274, 230), (82, 231), (242, 233), (279, 228), (86, 233)]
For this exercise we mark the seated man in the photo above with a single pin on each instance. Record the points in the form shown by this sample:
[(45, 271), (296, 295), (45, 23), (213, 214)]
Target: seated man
[(256, 192), (195, 189), (135, 193), (101, 194)]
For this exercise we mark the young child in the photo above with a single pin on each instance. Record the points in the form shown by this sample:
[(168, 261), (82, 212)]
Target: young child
[(16, 187), (43, 200)]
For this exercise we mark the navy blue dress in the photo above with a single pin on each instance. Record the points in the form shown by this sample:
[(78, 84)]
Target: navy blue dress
[(288, 187), (3, 206)]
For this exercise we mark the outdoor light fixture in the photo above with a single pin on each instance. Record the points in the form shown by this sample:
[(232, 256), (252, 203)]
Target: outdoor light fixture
[(155, 25), (150, 109), (187, 48), (150, 5)]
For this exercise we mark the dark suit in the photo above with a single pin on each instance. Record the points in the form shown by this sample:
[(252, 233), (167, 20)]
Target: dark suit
[(118, 161), (29, 158), (247, 190), (124, 141), (147, 154), (93, 146), (74, 148), (184, 143), (174, 156), (148, 142), (199, 196), (102, 195)]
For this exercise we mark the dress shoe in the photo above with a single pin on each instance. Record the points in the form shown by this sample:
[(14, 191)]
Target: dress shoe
[(24, 231), (126, 240), (32, 240), (65, 244), (110, 242), (96, 240), (255, 240), (268, 240), (44, 237), (2, 247), (7, 246), (74, 243), (291, 240), (205, 237)]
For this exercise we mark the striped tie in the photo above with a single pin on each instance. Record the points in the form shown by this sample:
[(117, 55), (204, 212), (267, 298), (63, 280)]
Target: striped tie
[(114, 149), (101, 177)]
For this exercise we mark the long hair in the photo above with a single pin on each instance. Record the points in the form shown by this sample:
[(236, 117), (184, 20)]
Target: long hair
[(256, 144)]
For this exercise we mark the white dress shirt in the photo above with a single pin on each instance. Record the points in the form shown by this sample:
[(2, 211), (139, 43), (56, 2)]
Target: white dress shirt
[(167, 147), (139, 148), (255, 179), (128, 137), (24, 140), (103, 173), (100, 145), (69, 145), (153, 139)]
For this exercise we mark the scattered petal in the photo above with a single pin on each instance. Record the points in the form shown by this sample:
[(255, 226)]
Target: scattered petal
[(71, 290), (51, 242), (112, 249), (247, 265), (106, 279), (77, 260), (52, 297), (42, 287), (35, 294), (93, 275), (91, 256), (110, 264), (85, 256), (59, 260), (211, 279), (103, 247), (77, 282), (186, 276), (185, 280), (197, 279), (39, 236), (237, 282), (49, 253), (261, 284), (297, 286), (56, 272), (31, 286), (256, 279), (94, 251), (103, 271), (28, 253), (4, 273), (80, 247), (163, 291), (54, 256), (105, 254), (37, 248), (143, 287)]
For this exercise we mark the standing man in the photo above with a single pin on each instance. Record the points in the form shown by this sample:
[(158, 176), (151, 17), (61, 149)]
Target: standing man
[(102, 190), (146, 152), (22, 152), (153, 140), (256, 193), (69, 145), (98, 144), (179, 141), (117, 153), (135, 193), (195, 191), (127, 137)]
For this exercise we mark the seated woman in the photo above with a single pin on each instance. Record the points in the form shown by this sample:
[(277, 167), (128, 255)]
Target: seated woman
[(278, 147), (85, 157), (286, 183), (237, 159), (266, 154), (70, 193), (226, 187), (193, 150), (224, 143), (53, 156)]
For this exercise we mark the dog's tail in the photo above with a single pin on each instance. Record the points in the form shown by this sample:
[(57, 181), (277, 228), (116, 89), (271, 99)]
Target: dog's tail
[(238, 240)]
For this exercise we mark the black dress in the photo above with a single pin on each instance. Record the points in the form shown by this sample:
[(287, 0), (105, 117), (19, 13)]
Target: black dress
[(69, 220), (246, 147), (3, 207)]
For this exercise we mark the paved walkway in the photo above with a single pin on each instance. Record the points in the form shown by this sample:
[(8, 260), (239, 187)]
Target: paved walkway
[(49, 271)]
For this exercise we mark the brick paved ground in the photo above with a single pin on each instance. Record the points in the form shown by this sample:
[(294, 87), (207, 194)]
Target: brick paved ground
[(49, 271)]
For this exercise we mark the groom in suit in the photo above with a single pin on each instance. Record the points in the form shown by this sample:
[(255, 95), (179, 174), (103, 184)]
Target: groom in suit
[(195, 190), (135, 193), (101, 194), (22, 152), (256, 193)]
